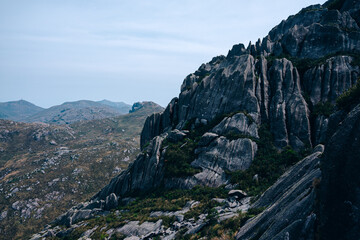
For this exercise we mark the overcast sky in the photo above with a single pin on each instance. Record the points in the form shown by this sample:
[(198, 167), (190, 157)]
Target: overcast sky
[(52, 51)]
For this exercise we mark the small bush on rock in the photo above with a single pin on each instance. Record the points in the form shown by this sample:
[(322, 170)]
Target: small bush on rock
[(349, 98)]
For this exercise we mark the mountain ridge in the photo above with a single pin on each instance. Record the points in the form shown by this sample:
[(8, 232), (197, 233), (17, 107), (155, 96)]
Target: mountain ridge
[(65, 113), (17, 110)]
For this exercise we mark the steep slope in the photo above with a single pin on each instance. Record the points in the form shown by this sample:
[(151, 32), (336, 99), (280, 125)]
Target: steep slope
[(249, 121), (71, 112), (45, 169), (339, 197), (18, 110)]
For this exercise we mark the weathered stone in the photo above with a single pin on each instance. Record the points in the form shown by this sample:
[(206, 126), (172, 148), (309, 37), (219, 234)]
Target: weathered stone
[(264, 90), (326, 82), (289, 114), (144, 174), (195, 229), (339, 189), (228, 155), (111, 201), (220, 156), (80, 215), (313, 33), (206, 139), (238, 194), (159, 123), (320, 129), (240, 124), (175, 136), (289, 202), (135, 229)]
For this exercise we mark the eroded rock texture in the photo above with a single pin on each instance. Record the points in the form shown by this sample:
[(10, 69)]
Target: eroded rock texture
[(309, 59), (289, 204), (340, 185)]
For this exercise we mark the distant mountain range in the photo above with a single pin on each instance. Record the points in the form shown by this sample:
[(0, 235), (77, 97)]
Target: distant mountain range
[(46, 168), (66, 113)]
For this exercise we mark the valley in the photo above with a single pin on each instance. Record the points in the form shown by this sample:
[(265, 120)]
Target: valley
[(45, 169)]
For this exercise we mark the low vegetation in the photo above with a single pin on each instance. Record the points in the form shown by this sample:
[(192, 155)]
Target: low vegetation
[(140, 209), (349, 98), (323, 108), (334, 5), (304, 64), (178, 158), (269, 164), (45, 170)]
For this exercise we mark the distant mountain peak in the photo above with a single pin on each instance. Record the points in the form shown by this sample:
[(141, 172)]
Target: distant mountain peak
[(139, 105), (18, 110)]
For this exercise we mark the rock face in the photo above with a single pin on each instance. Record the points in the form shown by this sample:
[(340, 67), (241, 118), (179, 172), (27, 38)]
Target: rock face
[(289, 114), (237, 124), (145, 174), (315, 32), (305, 62), (289, 204), (271, 91), (325, 82), (340, 185), (254, 87)]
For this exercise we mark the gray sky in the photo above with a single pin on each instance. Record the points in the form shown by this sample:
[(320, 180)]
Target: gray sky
[(52, 51)]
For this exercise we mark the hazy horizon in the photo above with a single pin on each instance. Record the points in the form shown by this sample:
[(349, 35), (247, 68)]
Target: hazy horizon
[(69, 101), (60, 51)]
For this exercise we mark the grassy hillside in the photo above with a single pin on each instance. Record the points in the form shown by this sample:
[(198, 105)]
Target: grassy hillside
[(46, 169), (18, 110)]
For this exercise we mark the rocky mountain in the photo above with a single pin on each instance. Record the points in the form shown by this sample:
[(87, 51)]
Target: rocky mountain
[(45, 169), (18, 110), (121, 106), (66, 113), (260, 144), (70, 112)]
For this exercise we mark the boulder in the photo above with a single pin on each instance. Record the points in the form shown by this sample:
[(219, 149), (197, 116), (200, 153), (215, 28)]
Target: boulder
[(175, 136), (207, 138), (240, 123), (237, 194), (135, 229), (111, 201)]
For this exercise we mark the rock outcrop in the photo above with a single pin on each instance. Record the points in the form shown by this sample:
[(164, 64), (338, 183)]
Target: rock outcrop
[(324, 83), (144, 174), (305, 62), (340, 184), (256, 85), (248, 79), (289, 204)]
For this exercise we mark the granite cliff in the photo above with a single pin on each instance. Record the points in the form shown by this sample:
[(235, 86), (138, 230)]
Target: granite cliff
[(264, 117)]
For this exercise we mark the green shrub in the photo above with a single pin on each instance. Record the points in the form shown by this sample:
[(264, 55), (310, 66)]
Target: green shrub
[(349, 98), (203, 207), (178, 158), (334, 5), (197, 193), (325, 109), (269, 164), (304, 64), (232, 135)]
